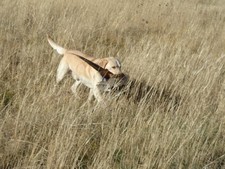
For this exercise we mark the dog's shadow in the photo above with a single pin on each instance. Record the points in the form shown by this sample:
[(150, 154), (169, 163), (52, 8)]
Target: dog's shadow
[(139, 91)]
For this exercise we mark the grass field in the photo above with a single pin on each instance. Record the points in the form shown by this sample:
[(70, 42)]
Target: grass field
[(175, 49)]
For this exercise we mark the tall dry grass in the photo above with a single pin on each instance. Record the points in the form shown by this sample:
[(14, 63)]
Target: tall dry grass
[(174, 46)]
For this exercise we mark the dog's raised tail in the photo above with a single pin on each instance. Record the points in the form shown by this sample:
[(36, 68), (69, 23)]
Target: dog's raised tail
[(55, 46)]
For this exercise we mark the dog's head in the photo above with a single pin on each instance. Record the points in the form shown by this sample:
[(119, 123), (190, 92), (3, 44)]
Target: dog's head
[(110, 70), (112, 64)]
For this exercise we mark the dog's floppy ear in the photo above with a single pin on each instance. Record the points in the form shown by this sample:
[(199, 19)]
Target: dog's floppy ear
[(103, 63)]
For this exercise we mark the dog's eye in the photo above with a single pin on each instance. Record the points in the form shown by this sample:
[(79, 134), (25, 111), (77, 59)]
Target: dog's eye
[(114, 67)]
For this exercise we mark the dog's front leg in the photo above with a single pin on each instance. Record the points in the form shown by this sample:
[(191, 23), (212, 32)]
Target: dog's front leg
[(97, 94)]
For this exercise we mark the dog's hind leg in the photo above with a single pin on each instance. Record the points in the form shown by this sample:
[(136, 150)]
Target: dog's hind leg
[(90, 96), (74, 86), (76, 83), (62, 70)]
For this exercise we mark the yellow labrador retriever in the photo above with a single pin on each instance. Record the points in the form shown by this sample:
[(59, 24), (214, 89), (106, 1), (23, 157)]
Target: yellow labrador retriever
[(90, 71)]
